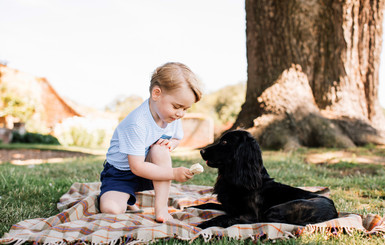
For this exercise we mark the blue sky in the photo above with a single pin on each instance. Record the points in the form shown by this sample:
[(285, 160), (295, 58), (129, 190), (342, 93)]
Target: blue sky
[(92, 51)]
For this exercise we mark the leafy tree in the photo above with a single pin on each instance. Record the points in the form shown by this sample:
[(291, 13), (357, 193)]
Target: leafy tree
[(124, 105), (222, 105), (14, 105)]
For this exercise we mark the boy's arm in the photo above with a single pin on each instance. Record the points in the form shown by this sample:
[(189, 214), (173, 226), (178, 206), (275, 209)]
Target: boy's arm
[(152, 171)]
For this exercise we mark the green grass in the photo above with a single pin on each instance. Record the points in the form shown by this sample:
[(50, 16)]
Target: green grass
[(32, 191), (28, 192)]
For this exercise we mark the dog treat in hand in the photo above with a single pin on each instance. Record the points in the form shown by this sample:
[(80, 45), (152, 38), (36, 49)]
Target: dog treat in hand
[(196, 168)]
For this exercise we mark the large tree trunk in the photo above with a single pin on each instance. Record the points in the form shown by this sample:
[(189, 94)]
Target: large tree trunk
[(313, 70)]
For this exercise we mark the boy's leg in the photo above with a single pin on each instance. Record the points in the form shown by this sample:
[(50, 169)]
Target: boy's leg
[(114, 202), (160, 155)]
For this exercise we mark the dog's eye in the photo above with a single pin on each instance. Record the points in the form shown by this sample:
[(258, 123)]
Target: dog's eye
[(223, 142)]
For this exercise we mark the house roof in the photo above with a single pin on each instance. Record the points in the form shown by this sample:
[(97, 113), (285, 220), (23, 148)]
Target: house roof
[(50, 107)]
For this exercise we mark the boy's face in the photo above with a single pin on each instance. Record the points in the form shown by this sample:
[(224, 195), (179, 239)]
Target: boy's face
[(171, 105)]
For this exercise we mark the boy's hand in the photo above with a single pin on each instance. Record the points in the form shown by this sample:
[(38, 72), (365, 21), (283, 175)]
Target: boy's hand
[(168, 143), (182, 174)]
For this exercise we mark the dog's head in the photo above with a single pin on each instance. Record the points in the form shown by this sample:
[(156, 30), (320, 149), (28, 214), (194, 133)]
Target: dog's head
[(238, 158)]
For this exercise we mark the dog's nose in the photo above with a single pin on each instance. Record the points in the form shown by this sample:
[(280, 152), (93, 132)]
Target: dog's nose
[(202, 151)]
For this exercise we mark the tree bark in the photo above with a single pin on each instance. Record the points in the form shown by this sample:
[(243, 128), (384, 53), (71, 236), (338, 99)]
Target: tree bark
[(313, 68)]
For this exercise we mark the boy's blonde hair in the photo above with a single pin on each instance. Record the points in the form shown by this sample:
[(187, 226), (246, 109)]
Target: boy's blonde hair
[(171, 76)]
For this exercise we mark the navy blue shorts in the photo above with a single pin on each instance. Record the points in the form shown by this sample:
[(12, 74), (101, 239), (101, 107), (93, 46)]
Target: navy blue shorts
[(114, 179)]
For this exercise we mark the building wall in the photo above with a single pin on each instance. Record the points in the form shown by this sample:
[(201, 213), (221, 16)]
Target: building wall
[(198, 131)]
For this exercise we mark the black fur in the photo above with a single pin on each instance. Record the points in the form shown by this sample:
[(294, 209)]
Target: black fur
[(247, 193)]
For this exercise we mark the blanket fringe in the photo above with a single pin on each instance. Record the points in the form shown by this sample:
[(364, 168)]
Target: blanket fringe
[(288, 235), (337, 231), (14, 241), (328, 231)]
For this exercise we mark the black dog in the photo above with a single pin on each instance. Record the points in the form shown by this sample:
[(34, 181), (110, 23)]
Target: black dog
[(247, 193)]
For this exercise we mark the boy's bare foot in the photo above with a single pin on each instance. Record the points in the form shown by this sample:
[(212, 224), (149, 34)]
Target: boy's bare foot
[(133, 209), (162, 215)]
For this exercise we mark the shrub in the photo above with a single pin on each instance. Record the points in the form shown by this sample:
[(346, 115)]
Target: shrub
[(85, 132), (223, 105), (34, 138)]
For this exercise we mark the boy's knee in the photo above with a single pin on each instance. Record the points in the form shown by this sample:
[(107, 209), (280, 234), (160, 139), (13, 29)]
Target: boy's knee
[(159, 153), (112, 208), (113, 202), (159, 150)]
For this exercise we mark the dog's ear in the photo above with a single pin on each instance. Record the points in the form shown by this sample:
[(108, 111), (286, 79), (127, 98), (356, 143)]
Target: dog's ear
[(248, 164)]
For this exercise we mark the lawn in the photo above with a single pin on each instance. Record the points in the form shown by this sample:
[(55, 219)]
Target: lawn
[(32, 191)]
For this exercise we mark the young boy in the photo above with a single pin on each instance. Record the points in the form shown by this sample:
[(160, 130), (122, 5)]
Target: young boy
[(139, 154)]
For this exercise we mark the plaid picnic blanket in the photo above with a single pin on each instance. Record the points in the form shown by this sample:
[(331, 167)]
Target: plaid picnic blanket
[(80, 221)]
